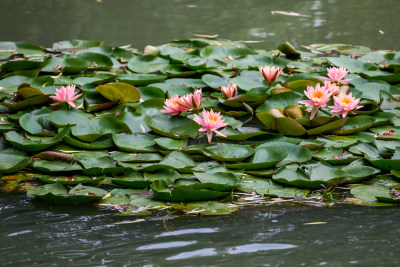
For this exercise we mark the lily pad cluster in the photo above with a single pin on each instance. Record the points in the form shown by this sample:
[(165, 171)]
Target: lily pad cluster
[(115, 147)]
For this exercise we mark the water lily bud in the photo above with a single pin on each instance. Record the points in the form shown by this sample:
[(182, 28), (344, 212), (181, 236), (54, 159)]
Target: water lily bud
[(151, 50)]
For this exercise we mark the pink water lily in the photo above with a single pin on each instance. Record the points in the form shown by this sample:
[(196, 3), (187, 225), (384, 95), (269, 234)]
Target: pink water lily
[(66, 95), (210, 123), (343, 104), (191, 101), (336, 75), (270, 73), (229, 91), (318, 96), (333, 88), (172, 106)]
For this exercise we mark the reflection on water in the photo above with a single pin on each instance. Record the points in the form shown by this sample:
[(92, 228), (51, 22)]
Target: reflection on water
[(34, 233), (156, 22)]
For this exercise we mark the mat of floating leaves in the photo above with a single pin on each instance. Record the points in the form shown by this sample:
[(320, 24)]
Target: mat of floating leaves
[(203, 125)]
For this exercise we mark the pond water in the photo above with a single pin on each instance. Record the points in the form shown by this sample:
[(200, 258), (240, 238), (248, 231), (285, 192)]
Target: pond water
[(363, 22), (36, 234)]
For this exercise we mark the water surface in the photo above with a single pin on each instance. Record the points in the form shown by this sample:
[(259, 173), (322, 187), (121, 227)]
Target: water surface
[(38, 234), (365, 22)]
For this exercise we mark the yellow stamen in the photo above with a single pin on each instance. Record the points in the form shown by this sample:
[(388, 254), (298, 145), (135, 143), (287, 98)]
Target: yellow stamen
[(346, 100), (318, 94)]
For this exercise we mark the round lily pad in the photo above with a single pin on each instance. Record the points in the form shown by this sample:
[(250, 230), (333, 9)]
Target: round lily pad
[(228, 152), (263, 158)]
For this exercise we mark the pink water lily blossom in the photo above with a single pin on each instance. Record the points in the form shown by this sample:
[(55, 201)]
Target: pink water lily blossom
[(343, 104), (333, 88), (191, 101), (66, 95), (270, 73), (229, 91), (336, 75), (210, 123), (318, 96), (172, 106)]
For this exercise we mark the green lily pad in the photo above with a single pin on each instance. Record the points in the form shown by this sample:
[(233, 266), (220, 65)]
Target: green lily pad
[(62, 118), (178, 160), (228, 152), (36, 122), (289, 126), (359, 173), (172, 126), (335, 156), (132, 178), (56, 193), (24, 144), (123, 92), (281, 101), (147, 64), (69, 180), (352, 65), (269, 188), (241, 133), (317, 176), (206, 208), (170, 144), (55, 166), (217, 181), (95, 128), (263, 158), (141, 79), (368, 193), (295, 153), (328, 128), (136, 157), (164, 192), (355, 124), (137, 142), (386, 132), (102, 142), (11, 162)]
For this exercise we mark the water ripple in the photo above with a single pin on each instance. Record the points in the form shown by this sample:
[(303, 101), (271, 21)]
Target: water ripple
[(196, 253), (173, 244), (251, 248), (189, 231)]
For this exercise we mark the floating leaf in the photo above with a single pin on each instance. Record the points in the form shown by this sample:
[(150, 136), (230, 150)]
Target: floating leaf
[(228, 152), (263, 158), (123, 92), (147, 64), (172, 126)]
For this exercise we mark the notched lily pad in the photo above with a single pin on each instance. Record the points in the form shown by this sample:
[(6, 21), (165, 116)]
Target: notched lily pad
[(56, 193)]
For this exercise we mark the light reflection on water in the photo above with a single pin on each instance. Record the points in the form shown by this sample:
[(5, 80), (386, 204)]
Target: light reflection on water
[(363, 22), (35, 233)]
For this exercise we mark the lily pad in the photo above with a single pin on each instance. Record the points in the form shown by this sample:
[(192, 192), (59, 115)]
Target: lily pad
[(95, 128), (317, 176), (137, 142), (164, 192), (228, 152), (206, 208), (263, 158), (68, 180), (172, 126), (295, 153), (355, 124), (11, 162), (24, 144), (56, 193)]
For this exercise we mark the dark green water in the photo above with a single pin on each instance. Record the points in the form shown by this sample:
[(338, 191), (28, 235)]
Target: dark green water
[(36, 234), (121, 22)]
